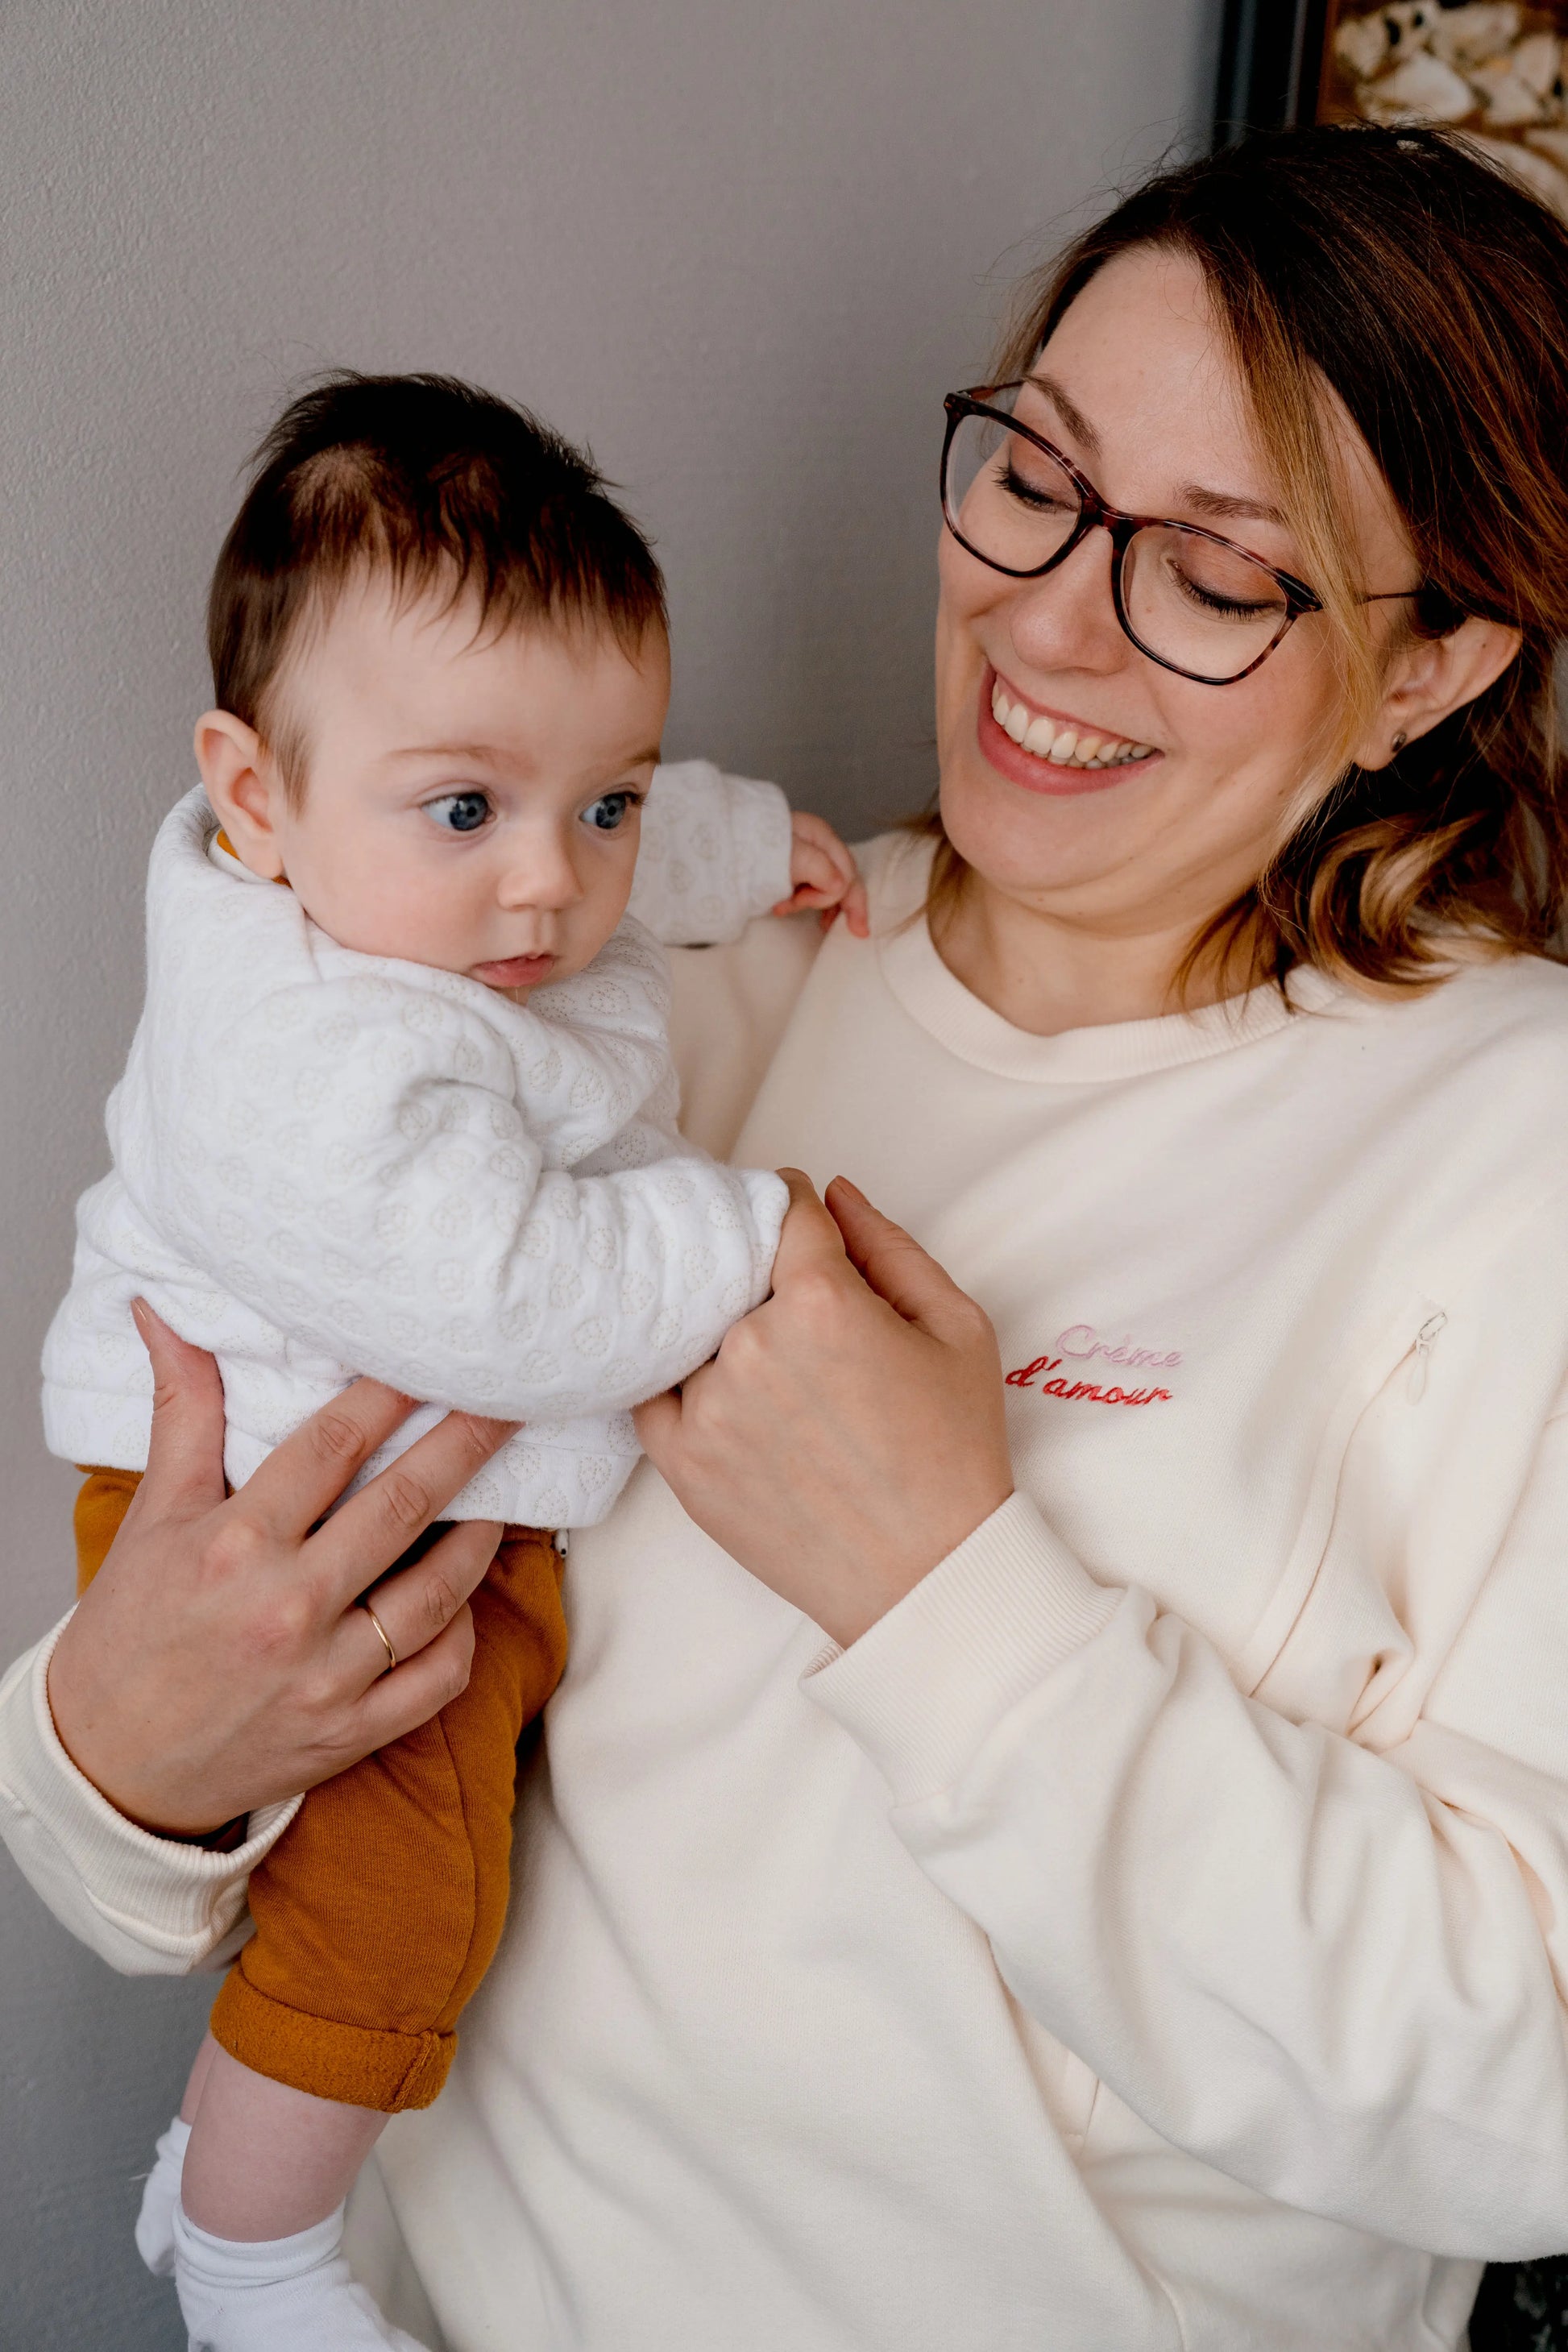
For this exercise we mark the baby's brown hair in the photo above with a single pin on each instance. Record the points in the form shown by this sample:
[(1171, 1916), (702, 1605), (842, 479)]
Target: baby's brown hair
[(444, 487)]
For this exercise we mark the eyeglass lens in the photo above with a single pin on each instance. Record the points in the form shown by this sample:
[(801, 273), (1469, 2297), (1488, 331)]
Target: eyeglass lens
[(1203, 608)]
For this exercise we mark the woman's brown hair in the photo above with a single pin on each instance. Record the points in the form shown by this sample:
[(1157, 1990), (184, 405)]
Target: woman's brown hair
[(1432, 294)]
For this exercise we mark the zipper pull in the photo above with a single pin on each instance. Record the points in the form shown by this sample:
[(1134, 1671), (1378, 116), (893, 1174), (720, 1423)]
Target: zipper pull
[(1423, 1338)]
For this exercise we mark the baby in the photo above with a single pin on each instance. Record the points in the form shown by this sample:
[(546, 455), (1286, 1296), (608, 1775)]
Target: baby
[(401, 1103)]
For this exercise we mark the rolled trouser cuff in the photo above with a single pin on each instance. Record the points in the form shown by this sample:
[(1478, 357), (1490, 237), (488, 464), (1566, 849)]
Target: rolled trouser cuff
[(359, 2065)]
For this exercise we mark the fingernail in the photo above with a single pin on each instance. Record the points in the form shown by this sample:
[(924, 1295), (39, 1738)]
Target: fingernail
[(853, 1190), (139, 1315)]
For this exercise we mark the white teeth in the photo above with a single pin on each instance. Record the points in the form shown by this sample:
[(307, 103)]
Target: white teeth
[(1063, 746)]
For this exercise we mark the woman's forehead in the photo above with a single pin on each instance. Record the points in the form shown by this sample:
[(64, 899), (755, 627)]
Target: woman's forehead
[(1141, 374)]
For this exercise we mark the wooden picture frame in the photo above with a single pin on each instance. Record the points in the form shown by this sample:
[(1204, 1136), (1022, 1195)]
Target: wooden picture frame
[(1492, 69)]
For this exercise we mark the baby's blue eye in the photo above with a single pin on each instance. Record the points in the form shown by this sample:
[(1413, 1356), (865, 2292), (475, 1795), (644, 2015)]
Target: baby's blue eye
[(607, 814), (459, 812)]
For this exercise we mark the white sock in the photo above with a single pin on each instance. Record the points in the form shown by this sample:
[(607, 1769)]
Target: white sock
[(281, 2295), (155, 2221)]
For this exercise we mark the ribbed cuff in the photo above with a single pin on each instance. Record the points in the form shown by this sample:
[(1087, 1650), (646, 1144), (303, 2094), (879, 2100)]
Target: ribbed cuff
[(174, 1899), (924, 1687)]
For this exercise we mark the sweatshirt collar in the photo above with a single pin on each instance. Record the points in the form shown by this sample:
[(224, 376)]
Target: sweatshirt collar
[(938, 1001)]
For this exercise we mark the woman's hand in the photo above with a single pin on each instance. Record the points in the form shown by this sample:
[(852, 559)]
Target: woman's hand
[(849, 1432), (217, 1661)]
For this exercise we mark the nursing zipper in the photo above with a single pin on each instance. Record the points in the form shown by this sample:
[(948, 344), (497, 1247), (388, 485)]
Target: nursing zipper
[(1423, 1339)]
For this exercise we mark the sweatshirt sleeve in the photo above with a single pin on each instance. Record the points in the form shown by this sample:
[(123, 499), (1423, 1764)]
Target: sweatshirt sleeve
[(148, 1906), (391, 1170), (715, 853), (1335, 1975)]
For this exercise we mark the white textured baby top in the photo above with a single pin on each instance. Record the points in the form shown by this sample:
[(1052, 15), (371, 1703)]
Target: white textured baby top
[(327, 1164)]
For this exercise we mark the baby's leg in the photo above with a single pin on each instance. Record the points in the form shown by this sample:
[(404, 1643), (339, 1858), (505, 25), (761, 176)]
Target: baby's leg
[(260, 2224), (197, 2079), (160, 2194), (376, 1914), (266, 2160)]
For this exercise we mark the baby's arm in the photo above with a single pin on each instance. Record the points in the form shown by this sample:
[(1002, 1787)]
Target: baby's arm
[(382, 1175), (715, 853), (718, 850)]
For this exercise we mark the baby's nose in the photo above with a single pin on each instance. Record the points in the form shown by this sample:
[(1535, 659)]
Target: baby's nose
[(543, 877)]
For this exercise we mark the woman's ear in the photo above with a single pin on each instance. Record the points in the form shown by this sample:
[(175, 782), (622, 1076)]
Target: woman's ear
[(244, 789), (1430, 676)]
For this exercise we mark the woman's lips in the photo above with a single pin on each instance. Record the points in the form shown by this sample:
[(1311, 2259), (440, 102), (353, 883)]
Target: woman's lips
[(1040, 774), (514, 972)]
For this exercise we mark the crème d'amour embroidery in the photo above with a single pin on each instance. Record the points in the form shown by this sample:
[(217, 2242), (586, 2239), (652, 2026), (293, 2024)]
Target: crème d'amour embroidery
[(1081, 1391), (1080, 1341)]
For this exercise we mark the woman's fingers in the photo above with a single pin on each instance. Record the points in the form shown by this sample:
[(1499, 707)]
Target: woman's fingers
[(216, 1662), (396, 1703), (850, 1431), (810, 1240), (375, 1526), (418, 1603), (185, 1453), (896, 1267), (301, 1479)]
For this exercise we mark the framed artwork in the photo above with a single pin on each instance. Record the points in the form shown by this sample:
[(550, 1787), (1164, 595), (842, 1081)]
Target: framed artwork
[(1493, 69)]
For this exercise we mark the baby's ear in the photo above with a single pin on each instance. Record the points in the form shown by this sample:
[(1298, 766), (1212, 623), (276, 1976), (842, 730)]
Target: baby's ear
[(244, 787)]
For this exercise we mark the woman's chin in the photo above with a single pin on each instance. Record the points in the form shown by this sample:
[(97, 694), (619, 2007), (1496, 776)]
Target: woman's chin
[(1035, 843)]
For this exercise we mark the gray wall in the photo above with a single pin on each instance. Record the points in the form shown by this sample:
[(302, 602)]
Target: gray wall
[(743, 246)]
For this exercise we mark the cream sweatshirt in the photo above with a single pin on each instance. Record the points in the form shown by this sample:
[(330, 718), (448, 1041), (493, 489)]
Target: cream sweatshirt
[(1152, 1933), (327, 1164)]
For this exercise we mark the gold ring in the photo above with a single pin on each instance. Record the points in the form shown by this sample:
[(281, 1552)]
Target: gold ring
[(391, 1652)]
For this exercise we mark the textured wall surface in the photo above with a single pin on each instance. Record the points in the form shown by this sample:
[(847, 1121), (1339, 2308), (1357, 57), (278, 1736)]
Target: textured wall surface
[(742, 248)]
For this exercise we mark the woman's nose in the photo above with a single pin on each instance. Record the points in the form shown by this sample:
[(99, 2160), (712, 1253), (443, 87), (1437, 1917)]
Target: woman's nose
[(1066, 620)]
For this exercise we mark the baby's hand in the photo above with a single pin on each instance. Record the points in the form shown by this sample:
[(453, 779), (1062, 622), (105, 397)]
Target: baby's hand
[(825, 875)]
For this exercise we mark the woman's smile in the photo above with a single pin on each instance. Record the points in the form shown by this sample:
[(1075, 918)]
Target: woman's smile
[(1047, 750)]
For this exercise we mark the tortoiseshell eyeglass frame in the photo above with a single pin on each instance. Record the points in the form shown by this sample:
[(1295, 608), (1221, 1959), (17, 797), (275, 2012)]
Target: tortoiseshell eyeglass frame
[(1096, 514)]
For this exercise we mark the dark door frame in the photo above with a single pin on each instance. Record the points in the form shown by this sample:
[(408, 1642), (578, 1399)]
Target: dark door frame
[(1270, 61)]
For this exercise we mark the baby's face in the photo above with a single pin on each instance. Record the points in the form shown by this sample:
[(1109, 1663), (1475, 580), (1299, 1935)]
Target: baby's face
[(471, 801)]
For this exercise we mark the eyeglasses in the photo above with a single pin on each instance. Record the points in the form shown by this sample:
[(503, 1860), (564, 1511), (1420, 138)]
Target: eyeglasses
[(1193, 602)]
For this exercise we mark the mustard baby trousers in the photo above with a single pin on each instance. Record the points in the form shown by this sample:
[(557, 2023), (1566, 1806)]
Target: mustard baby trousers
[(380, 1908)]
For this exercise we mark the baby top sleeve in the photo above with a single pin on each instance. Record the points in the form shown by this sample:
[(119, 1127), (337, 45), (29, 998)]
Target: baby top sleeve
[(715, 853)]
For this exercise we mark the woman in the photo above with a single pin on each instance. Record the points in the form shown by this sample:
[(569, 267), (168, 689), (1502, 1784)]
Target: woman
[(1139, 1922)]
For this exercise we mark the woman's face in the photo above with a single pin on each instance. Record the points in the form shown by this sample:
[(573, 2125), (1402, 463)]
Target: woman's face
[(1139, 390)]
